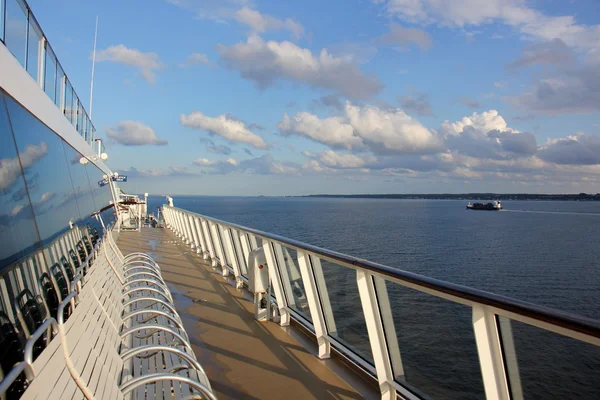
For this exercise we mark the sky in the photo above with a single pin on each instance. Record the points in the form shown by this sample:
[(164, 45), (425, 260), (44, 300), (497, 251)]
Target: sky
[(251, 97)]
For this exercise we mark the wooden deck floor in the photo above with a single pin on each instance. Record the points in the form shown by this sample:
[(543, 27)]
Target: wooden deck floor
[(243, 358)]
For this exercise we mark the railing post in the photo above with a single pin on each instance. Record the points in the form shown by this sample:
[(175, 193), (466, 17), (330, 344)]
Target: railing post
[(195, 238), (214, 230), (203, 249), (276, 283), (166, 212), (172, 222), (314, 304), (176, 223), (181, 227), (490, 353), (375, 329), (209, 241), (186, 230), (192, 233), (229, 248)]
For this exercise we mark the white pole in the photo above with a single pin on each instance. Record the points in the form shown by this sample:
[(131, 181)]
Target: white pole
[(93, 64)]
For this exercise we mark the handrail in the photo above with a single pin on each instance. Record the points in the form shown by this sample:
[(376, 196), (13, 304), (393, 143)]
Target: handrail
[(577, 323)]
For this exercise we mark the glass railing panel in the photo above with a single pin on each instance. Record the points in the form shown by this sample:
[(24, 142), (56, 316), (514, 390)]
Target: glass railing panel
[(86, 129), (237, 240), (546, 365), (287, 259), (343, 312), (235, 248), (79, 121), (50, 74), (15, 29), (437, 345), (60, 87), (34, 47), (68, 103)]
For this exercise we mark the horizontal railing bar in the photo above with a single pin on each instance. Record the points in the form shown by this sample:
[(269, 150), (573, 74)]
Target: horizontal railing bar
[(577, 323)]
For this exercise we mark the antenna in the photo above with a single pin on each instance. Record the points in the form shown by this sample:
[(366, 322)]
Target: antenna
[(93, 64)]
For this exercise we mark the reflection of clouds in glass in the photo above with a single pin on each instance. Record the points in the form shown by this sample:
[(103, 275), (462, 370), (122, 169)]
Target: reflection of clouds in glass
[(47, 196), (17, 209), (19, 212), (10, 168), (43, 205), (19, 194)]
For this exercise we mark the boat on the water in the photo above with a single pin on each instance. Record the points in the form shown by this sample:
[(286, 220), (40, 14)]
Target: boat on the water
[(493, 206)]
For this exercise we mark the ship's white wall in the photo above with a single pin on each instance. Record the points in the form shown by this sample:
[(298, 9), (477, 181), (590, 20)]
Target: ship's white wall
[(17, 82)]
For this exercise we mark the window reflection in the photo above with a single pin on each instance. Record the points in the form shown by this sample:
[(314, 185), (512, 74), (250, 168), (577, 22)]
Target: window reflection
[(45, 171), (18, 235), (16, 29), (102, 196), (81, 184)]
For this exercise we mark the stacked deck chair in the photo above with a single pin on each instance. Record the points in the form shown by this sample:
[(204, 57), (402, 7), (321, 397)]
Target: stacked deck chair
[(123, 339)]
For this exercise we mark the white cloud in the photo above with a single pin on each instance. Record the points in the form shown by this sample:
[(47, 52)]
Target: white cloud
[(169, 171), (484, 122), (260, 23), (515, 13), (10, 168), (133, 133), (196, 59), (417, 102), (391, 130), (577, 149), (267, 62), (211, 147), (553, 52), (331, 131), (500, 84), (225, 126), (576, 90), (405, 37), (380, 130), (486, 135), (147, 63), (315, 167), (469, 102), (264, 165), (338, 160)]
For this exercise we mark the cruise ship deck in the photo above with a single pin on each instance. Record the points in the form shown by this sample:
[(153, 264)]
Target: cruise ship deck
[(243, 358)]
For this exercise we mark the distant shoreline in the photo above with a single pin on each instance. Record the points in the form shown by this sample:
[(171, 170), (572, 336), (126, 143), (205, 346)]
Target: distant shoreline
[(466, 196)]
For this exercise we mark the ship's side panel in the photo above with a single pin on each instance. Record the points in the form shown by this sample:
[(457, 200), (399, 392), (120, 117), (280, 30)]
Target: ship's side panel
[(48, 197)]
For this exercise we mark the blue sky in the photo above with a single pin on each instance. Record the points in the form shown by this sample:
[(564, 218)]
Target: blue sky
[(244, 97)]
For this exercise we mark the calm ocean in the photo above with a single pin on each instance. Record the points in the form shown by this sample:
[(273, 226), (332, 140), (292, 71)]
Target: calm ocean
[(542, 252)]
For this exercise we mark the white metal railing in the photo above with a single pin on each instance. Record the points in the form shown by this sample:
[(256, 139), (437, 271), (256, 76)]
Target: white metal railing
[(227, 245), (23, 37)]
